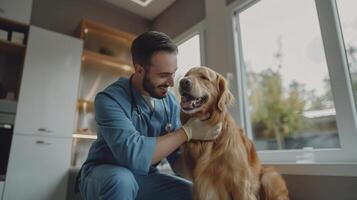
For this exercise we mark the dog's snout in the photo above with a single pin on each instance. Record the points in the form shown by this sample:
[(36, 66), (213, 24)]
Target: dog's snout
[(185, 83)]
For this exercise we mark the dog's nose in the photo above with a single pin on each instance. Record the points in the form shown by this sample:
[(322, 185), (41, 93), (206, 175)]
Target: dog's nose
[(185, 84)]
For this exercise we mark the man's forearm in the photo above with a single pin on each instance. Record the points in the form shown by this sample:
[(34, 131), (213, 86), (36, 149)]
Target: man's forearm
[(168, 143)]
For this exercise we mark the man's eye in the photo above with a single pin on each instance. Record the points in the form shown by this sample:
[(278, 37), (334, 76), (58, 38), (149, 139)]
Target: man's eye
[(204, 78), (167, 75)]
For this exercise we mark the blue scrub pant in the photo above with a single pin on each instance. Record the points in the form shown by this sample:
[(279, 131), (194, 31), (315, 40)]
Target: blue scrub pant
[(113, 182)]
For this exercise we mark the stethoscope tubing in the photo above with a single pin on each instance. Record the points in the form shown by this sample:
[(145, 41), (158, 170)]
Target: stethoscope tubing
[(135, 106)]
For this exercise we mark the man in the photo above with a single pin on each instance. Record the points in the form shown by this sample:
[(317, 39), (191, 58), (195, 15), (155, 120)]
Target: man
[(138, 125)]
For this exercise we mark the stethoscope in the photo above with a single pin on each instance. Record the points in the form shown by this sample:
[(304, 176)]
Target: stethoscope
[(135, 108)]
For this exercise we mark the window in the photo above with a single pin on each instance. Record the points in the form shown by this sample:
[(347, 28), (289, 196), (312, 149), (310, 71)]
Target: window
[(296, 68), (348, 20), (289, 99), (189, 56)]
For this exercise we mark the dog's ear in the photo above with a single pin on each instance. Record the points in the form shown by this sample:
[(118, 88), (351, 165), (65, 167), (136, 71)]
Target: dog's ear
[(225, 96)]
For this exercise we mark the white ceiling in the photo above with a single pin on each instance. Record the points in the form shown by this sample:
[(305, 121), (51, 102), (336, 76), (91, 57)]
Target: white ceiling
[(150, 11)]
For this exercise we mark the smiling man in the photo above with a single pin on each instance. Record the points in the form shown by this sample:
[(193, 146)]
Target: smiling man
[(138, 126)]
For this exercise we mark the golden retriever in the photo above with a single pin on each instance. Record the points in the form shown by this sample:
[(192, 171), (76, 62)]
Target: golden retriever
[(227, 167)]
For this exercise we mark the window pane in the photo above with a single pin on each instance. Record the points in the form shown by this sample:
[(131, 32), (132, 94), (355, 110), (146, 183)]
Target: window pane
[(348, 18), (189, 55), (288, 87)]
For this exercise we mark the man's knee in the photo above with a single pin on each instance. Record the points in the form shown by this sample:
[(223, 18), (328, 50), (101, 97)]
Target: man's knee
[(121, 182)]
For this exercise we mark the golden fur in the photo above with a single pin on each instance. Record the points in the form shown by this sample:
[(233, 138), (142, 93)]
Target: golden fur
[(227, 167)]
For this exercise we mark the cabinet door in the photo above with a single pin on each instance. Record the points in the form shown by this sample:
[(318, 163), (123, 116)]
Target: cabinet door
[(49, 85), (16, 10), (37, 168)]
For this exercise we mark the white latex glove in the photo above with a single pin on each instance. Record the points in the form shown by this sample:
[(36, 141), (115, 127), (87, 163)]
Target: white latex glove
[(197, 129)]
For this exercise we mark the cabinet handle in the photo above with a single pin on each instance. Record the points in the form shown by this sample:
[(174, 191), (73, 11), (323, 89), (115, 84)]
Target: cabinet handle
[(44, 130), (43, 142), (5, 126)]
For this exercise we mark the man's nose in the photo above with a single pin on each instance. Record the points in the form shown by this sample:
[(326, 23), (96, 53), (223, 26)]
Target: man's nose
[(171, 81), (185, 83)]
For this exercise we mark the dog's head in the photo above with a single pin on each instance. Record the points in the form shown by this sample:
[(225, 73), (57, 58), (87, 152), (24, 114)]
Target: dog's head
[(204, 91)]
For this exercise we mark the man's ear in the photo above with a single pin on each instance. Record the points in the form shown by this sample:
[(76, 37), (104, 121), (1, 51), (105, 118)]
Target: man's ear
[(225, 97), (139, 69)]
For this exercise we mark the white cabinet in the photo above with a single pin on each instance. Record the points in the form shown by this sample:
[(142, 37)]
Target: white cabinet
[(38, 168), (49, 85), (44, 124), (16, 10)]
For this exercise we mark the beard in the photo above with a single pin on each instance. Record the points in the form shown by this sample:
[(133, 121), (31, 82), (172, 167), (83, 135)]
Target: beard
[(150, 88)]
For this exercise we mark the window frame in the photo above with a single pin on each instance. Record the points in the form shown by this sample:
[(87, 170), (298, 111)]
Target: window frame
[(340, 84), (198, 29)]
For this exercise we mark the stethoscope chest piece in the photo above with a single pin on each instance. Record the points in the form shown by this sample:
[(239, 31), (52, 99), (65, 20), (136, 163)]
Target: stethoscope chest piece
[(168, 127)]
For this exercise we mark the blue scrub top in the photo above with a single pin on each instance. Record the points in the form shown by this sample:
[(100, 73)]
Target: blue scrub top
[(127, 138)]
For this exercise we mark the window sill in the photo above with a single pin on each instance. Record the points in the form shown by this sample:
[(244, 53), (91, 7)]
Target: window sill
[(316, 169)]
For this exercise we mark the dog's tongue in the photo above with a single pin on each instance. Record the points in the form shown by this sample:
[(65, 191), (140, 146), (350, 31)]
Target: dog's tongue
[(187, 103)]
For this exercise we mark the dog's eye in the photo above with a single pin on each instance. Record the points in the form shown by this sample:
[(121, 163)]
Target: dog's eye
[(204, 78)]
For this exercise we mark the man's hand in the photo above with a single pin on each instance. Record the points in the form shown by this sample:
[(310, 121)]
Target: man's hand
[(196, 129)]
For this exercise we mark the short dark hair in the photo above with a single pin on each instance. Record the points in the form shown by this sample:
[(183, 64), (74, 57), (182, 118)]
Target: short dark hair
[(148, 43)]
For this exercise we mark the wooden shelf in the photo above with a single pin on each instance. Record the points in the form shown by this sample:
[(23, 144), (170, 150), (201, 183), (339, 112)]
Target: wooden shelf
[(13, 25), (103, 30), (84, 104), (107, 61), (100, 69), (10, 47), (123, 41), (92, 136)]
